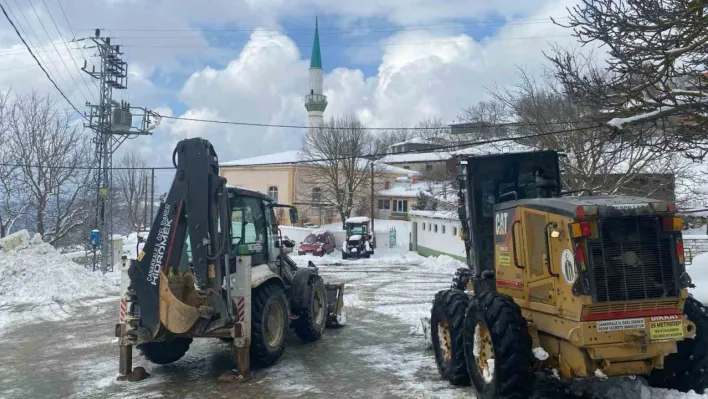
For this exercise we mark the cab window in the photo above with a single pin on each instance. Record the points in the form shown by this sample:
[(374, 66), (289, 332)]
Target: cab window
[(248, 224)]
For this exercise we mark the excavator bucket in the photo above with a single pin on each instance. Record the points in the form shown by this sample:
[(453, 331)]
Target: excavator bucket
[(336, 317)]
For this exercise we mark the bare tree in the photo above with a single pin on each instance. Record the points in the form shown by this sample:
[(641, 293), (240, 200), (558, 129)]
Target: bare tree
[(655, 74), (594, 157), (486, 120), (49, 156), (133, 185), (387, 138), (280, 216), (337, 176), (432, 130), (11, 207)]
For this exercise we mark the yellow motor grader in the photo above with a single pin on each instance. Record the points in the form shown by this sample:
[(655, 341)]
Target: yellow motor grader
[(214, 265), (587, 285)]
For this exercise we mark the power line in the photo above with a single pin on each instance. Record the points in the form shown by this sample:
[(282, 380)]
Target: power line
[(67, 46), (498, 125), (389, 44), (369, 28), (73, 36), (38, 63), (55, 47), (39, 42), (34, 65), (275, 33), (456, 146)]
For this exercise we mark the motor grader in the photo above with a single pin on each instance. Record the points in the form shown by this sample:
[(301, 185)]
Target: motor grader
[(587, 285), (214, 265)]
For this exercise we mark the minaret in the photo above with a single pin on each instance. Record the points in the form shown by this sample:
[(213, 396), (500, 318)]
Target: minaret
[(315, 101)]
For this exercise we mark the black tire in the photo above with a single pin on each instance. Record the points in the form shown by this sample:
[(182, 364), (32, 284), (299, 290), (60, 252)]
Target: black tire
[(344, 255), (165, 352), (512, 375), (366, 255), (462, 276), (448, 311), (265, 297), (688, 368), (312, 319)]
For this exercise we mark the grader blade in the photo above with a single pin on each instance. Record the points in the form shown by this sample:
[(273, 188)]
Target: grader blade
[(336, 317)]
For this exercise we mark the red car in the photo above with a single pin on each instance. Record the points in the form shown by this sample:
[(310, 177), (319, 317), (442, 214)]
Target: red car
[(318, 243)]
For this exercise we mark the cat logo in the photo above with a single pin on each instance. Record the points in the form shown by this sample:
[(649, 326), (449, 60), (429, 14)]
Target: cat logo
[(501, 223)]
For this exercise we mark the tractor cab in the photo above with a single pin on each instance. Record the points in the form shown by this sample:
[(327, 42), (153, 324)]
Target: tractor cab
[(359, 238), (494, 179)]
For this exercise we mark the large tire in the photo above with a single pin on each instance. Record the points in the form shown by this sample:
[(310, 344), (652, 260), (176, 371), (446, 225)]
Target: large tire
[(495, 322), (447, 332), (165, 352), (688, 368), (312, 318), (269, 321), (463, 276)]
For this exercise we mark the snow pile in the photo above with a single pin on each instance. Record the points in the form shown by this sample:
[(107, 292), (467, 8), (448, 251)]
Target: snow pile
[(698, 270), (600, 374), (32, 271), (442, 264), (540, 354)]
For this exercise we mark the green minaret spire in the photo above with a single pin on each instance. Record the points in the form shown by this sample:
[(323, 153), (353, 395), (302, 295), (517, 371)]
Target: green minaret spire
[(316, 59)]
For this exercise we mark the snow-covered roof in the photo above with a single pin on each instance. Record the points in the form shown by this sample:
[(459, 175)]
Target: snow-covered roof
[(441, 191), (433, 156), (276, 158), (414, 140), (294, 157), (446, 215), (408, 190), (357, 219)]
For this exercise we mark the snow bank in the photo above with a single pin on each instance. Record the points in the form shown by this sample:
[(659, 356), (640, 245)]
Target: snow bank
[(698, 270), (32, 271), (442, 264)]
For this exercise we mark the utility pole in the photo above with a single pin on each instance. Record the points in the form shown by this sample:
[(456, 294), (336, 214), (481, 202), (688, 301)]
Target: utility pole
[(113, 124), (373, 217)]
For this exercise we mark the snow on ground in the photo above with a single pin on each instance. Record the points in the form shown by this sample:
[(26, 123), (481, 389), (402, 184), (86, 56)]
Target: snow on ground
[(38, 283), (402, 285), (397, 283), (698, 270)]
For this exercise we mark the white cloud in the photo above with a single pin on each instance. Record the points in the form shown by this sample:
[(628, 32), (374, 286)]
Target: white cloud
[(438, 75)]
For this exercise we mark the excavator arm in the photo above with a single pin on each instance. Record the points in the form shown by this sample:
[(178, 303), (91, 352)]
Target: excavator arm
[(194, 206)]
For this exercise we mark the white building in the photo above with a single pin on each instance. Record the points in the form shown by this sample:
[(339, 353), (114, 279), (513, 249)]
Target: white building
[(437, 233)]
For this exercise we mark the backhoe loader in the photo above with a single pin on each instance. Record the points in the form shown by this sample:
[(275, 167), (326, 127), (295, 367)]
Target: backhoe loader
[(584, 284), (214, 265)]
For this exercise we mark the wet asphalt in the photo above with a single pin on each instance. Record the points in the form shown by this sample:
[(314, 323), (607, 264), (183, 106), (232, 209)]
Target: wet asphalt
[(76, 358), (374, 356)]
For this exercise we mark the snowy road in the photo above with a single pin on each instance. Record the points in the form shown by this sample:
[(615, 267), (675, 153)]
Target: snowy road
[(68, 351), (374, 356)]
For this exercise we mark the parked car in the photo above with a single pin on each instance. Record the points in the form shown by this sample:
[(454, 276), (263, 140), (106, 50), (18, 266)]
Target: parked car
[(318, 243)]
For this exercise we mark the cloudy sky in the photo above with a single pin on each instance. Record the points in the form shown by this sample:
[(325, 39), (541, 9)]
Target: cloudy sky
[(390, 62)]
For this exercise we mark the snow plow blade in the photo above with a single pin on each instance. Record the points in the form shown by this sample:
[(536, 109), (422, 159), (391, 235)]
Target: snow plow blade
[(336, 317)]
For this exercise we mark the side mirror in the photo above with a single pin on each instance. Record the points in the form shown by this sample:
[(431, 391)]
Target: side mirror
[(293, 215)]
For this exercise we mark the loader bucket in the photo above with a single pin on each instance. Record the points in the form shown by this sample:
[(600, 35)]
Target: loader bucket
[(336, 317), (177, 295)]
